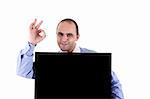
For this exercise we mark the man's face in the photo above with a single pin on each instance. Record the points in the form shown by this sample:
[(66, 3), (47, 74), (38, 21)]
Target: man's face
[(67, 36)]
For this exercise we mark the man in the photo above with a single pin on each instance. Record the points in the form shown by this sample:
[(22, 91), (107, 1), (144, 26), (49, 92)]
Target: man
[(67, 35)]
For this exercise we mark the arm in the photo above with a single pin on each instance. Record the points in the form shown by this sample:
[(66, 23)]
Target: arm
[(116, 87), (25, 61), (25, 67)]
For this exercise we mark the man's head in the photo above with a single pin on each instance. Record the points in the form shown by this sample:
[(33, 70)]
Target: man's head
[(67, 34)]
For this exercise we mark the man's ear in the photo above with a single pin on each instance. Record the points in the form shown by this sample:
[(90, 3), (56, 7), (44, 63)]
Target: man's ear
[(78, 36)]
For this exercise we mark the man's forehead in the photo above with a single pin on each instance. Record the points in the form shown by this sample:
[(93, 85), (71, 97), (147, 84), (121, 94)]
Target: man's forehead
[(66, 27), (66, 24)]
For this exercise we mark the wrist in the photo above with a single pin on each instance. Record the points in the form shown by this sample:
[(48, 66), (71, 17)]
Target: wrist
[(32, 44)]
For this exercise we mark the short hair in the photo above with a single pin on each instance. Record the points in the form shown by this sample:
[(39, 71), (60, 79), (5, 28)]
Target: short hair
[(70, 20)]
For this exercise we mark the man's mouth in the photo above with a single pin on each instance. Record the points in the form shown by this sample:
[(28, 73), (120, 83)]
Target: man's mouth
[(64, 44)]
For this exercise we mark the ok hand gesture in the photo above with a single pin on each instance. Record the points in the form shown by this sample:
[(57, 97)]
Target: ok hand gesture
[(36, 34)]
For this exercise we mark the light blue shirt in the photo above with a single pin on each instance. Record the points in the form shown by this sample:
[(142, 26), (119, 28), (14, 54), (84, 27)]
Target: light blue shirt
[(25, 69)]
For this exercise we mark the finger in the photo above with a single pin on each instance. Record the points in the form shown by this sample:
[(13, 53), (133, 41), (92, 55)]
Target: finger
[(37, 27), (32, 25), (42, 34)]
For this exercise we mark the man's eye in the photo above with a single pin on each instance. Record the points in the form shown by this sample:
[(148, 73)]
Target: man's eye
[(69, 35), (60, 34)]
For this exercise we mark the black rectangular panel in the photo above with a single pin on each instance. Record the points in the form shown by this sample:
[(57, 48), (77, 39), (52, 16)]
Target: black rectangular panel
[(72, 75)]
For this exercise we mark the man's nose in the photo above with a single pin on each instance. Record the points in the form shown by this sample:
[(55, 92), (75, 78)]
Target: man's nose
[(64, 38)]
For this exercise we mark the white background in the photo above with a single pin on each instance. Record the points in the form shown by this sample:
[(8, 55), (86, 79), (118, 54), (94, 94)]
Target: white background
[(121, 27)]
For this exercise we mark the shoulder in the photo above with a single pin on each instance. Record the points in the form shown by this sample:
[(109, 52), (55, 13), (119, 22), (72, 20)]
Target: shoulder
[(85, 50)]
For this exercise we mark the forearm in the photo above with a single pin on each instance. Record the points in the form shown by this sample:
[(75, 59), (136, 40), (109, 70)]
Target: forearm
[(116, 88), (25, 61)]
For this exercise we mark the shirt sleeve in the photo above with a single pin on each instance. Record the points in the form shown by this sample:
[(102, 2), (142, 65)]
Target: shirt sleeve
[(116, 87), (25, 61)]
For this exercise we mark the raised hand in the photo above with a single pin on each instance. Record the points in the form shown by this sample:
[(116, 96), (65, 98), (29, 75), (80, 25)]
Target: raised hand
[(36, 34)]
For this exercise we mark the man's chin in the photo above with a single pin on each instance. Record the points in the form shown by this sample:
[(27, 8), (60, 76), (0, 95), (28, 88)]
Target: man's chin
[(64, 50)]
